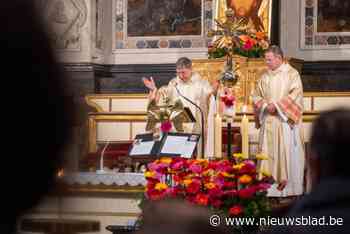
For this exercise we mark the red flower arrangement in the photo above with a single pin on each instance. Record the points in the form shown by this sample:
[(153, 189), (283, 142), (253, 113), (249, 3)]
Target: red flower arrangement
[(166, 126), (235, 189), (228, 99), (252, 44)]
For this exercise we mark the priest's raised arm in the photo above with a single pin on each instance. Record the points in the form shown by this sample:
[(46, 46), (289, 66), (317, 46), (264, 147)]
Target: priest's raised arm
[(186, 85)]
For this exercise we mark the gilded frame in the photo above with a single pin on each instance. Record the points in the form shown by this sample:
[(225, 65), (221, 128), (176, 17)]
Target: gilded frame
[(263, 11)]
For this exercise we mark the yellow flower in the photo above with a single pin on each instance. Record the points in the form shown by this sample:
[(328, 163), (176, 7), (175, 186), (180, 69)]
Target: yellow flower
[(245, 179), (160, 186), (209, 185), (149, 174), (238, 155), (262, 156), (225, 174), (238, 166), (166, 160), (209, 172)]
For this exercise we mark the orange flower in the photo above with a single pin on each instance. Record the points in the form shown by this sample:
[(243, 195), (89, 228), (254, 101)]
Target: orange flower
[(187, 182), (209, 185), (260, 35), (166, 160), (244, 38), (245, 179)]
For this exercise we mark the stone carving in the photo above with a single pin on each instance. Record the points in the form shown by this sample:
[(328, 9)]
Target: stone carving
[(65, 18), (99, 24)]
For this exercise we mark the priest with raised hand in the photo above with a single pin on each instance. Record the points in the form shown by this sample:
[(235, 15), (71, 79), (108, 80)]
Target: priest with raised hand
[(189, 84), (278, 105)]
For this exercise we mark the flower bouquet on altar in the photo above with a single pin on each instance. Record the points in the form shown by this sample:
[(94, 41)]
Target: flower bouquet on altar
[(231, 189), (252, 44), (228, 103)]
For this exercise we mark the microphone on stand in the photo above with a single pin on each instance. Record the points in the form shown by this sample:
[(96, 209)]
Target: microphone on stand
[(101, 170), (202, 116)]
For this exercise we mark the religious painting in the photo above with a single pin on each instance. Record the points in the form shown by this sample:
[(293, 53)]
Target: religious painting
[(333, 16), (163, 18), (255, 13), (325, 24)]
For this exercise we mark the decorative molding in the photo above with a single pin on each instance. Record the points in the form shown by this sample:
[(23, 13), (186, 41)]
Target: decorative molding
[(312, 39), (326, 76), (320, 76), (82, 213), (122, 42), (127, 78), (79, 67)]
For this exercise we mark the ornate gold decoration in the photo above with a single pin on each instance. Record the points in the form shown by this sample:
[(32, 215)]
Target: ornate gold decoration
[(248, 71), (158, 113), (228, 31)]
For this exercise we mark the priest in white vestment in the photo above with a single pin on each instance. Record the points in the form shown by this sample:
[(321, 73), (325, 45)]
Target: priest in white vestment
[(278, 105), (190, 85)]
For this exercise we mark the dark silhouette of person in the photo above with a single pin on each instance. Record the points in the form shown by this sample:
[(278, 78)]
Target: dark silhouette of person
[(327, 205), (174, 216), (36, 122)]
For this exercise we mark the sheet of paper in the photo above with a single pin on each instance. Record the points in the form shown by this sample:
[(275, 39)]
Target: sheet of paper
[(142, 148), (188, 148), (174, 144)]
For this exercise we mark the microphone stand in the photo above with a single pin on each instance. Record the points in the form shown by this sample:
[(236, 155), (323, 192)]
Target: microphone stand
[(202, 116), (101, 170)]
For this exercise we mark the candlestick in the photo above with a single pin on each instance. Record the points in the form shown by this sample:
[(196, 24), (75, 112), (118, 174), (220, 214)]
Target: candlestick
[(218, 136)]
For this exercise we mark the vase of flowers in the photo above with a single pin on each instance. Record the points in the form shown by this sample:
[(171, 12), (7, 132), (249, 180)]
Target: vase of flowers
[(165, 123), (228, 103), (251, 44)]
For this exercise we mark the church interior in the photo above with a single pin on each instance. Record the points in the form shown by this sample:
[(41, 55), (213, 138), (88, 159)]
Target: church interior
[(106, 47)]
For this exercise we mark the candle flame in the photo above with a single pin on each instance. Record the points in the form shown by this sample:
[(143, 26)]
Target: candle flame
[(60, 173)]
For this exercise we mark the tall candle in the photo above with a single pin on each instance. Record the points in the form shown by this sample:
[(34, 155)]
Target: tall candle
[(218, 136), (245, 136)]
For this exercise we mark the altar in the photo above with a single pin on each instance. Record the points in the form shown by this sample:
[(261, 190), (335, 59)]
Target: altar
[(128, 112)]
